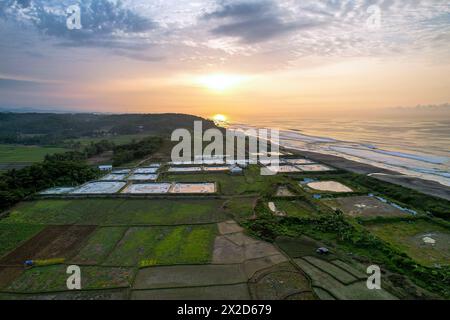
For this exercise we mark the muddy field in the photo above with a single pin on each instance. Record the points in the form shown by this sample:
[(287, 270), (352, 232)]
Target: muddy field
[(52, 242), (9, 274), (363, 206)]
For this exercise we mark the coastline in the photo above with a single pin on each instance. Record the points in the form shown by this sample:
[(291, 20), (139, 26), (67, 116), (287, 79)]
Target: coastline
[(428, 187), (416, 172)]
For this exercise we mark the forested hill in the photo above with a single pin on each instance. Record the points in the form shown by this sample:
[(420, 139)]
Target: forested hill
[(50, 128)]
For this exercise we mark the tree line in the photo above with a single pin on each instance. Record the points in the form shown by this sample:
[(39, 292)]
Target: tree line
[(68, 169)]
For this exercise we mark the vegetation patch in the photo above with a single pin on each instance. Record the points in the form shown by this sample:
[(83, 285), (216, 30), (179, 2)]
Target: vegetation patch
[(14, 234), (301, 247), (99, 245), (116, 212), (54, 278), (189, 276), (53, 242), (278, 283), (143, 246), (364, 206), (403, 196), (426, 242), (236, 291), (25, 154), (296, 208), (344, 236), (240, 208), (166, 212)]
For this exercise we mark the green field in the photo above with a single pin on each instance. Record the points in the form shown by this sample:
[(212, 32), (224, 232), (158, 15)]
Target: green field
[(407, 236), (116, 212), (148, 246), (297, 208), (25, 154), (99, 245), (13, 234), (240, 208), (53, 278)]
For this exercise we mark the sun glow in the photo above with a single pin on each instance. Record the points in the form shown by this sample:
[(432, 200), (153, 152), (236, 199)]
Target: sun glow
[(220, 82), (219, 118)]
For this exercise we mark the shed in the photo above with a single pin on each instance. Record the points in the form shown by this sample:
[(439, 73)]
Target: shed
[(235, 170)]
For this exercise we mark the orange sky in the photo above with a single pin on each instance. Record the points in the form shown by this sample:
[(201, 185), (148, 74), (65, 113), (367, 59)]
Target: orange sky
[(239, 58)]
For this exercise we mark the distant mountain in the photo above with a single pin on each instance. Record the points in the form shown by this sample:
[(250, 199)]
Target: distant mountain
[(36, 110)]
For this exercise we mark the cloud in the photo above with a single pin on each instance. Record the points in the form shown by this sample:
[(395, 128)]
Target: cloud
[(256, 21), (13, 84), (102, 20)]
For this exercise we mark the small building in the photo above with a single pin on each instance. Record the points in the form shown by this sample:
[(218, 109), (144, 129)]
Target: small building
[(235, 170), (107, 167), (323, 250)]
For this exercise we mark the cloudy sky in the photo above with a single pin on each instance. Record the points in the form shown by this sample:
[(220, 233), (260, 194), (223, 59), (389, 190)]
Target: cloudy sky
[(219, 56)]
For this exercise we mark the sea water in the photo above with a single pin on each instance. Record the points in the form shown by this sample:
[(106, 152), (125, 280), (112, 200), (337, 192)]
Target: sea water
[(412, 146)]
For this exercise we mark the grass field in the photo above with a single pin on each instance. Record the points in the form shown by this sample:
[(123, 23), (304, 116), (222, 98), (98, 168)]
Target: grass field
[(116, 212), (53, 278), (25, 154), (240, 208), (296, 208), (149, 246), (407, 236), (99, 245), (12, 235)]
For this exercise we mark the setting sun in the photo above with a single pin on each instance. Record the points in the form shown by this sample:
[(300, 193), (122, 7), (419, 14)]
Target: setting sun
[(220, 118), (220, 82)]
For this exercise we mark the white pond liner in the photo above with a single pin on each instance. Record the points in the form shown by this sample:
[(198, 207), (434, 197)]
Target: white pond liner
[(143, 177), (283, 169), (314, 168), (57, 190), (114, 177), (332, 186), (100, 187), (147, 188), (184, 169), (215, 169), (121, 171), (297, 161), (191, 188), (145, 170)]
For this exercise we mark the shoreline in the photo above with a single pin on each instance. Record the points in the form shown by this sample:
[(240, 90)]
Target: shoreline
[(428, 187)]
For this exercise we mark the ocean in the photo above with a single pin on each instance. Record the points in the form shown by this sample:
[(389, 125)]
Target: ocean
[(413, 146)]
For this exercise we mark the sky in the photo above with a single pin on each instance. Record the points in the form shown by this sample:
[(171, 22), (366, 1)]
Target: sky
[(240, 57)]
